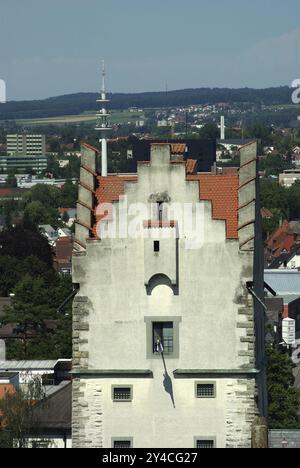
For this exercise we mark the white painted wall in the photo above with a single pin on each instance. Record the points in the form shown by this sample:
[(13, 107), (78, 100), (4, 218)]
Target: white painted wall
[(210, 289)]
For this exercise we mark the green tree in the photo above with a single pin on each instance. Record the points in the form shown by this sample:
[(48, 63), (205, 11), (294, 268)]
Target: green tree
[(270, 225), (210, 130), (69, 194), (274, 196), (48, 195), (28, 312), (284, 399), (11, 180), (21, 242), (36, 213), (17, 414), (275, 164)]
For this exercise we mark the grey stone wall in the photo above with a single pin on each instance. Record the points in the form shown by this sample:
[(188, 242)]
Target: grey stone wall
[(240, 413), (87, 417)]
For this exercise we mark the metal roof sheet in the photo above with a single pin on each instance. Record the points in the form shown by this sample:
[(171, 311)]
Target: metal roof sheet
[(27, 365), (284, 282)]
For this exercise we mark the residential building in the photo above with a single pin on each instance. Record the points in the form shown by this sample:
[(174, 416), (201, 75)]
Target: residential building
[(284, 439), (11, 194), (23, 163), (49, 232), (296, 160), (289, 177), (288, 260), (281, 243), (50, 372), (9, 382), (29, 182), (168, 327), (26, 144), (286, 284), (63, 255), (52, 419), (71, 212), (201, 151)]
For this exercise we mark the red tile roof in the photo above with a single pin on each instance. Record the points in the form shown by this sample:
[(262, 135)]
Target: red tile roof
[(63, 250), (10, 192), (266, 214), (191, 165), (64, 210), (221, 190), (283, 239), (6, 389), (178, 148), (110, 188)]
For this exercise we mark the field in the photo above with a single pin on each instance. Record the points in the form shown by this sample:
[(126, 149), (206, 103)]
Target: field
[(117, 117)]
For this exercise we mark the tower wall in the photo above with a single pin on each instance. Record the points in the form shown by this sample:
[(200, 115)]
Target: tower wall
[(210, 308)]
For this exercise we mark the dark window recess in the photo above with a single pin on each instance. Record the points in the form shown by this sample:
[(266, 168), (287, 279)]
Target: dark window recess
[(160, 208), (205, 390), (156, 246), (123, 393), (122, 444), (205, 444), (163, 337)]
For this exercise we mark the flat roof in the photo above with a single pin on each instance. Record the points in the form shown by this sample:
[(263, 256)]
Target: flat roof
[(27, 365)]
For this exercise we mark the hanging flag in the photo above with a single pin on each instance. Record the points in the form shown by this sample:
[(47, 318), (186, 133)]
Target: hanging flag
[(159, 347)]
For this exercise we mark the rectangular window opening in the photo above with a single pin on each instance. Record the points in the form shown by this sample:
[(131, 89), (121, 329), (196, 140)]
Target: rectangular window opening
[(205, 444), (156, 246), (205, 390), (122, 444), (122, 393), (163, 337)]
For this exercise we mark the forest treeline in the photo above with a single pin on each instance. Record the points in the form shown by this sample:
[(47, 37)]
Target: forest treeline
[(73, 104)]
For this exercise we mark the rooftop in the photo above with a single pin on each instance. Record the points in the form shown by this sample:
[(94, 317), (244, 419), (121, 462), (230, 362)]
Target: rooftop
[(55, 412), (220, 189), (284, 282), (34, 365)]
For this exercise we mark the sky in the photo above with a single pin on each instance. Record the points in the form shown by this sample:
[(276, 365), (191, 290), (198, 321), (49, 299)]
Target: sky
[(55, 47)]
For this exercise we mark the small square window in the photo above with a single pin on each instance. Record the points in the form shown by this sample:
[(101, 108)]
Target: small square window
[(205, 390), (122, 393), (122, 443), (163, 337), (156, 246), (205, 443)]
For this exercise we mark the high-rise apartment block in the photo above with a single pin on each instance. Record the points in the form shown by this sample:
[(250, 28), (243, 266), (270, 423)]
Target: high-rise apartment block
[(26, 144)]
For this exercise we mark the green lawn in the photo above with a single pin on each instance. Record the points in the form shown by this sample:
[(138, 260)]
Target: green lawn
[(117, 117)]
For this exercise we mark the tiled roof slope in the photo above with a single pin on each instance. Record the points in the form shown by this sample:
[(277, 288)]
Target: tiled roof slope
[(221, 190), (191, 165), (111, 187), (178, 148), (281, 240)]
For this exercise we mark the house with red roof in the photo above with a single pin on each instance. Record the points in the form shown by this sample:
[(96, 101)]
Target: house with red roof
[(281, 243)]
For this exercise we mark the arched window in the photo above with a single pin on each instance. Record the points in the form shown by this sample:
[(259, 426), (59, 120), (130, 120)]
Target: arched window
[(158, 280)]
